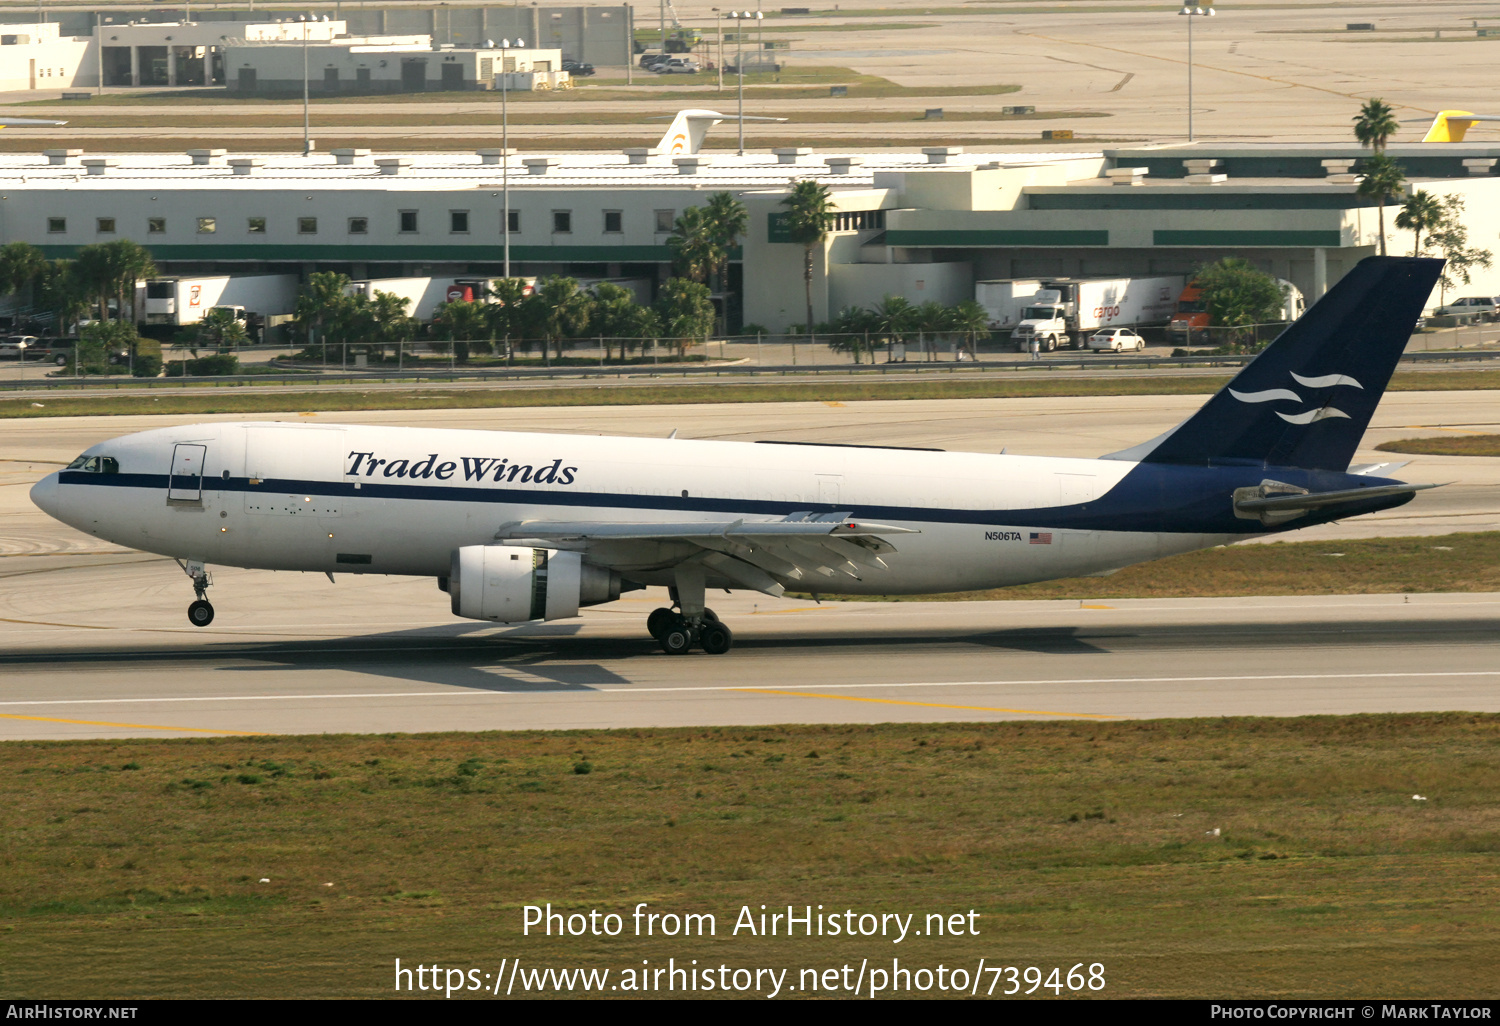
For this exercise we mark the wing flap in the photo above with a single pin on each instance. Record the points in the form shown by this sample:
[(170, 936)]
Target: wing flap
[(752, 553)]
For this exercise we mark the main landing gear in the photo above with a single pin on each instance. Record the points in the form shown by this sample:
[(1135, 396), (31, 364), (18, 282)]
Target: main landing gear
[(691, 623), (201, 612), (678, 634)]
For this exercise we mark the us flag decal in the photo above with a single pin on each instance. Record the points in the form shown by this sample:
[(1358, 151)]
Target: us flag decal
[(1041, 537)]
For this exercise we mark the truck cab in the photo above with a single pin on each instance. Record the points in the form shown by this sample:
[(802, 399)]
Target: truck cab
[(1191, 317), (1044, 319)]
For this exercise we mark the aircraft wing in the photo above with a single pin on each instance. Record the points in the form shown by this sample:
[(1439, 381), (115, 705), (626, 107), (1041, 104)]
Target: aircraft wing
[(752, 553), (29, 123)]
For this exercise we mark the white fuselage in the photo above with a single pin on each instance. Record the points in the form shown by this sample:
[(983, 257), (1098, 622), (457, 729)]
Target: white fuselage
[(352, 499)]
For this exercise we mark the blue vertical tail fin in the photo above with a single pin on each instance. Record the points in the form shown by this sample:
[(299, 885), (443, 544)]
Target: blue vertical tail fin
[(1307, 399)]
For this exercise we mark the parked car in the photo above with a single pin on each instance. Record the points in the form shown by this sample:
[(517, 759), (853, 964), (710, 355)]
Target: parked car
[(648, 59), (1117, 340), (17, 346), (578, 70), (1485, 307), (677, 66)]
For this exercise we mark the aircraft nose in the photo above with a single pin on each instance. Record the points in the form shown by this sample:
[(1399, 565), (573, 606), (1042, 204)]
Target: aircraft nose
[(44, 494)]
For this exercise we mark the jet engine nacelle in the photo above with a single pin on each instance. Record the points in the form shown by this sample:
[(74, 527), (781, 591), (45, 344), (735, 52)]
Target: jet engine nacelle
[(510, 584)]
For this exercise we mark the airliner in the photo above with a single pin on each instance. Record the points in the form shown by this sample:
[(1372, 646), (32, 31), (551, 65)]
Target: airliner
[(520, 527)]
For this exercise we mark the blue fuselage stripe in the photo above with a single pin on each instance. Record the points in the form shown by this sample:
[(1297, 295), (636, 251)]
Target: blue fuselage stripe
[(1151, 498)]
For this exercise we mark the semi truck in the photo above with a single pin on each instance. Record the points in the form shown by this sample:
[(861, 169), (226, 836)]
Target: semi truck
[(1064, 311), (257, 298), (1189, 321)]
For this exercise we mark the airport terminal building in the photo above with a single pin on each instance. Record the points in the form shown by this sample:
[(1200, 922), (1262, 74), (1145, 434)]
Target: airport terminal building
[(924, 224)]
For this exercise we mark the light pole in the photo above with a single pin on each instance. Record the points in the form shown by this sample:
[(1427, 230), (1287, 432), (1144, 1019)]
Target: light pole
[(306, 121), (739, 63), (1190, 12), (505, 148), (719, 25)]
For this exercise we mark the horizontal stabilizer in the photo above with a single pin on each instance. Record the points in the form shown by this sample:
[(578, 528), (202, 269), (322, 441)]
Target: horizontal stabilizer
[(1322, 500)]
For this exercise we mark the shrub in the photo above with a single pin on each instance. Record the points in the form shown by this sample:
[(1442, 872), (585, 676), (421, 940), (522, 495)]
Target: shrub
[(218, 363), (147, 361)]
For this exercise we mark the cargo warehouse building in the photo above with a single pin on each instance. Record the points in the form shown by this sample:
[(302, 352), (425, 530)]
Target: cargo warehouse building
[(925, 225)]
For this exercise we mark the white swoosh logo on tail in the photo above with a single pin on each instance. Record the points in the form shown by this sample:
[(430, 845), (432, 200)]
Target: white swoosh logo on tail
[(1327, 381), (1312, 415), (1267, 396)]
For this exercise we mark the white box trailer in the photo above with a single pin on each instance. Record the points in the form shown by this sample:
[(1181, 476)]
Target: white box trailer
[(1004, 299), (425, 295), (1066, 310), (422, 294), (178, 301)]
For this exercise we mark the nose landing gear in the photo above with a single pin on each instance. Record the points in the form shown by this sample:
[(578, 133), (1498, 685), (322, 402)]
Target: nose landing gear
[(201, 612)]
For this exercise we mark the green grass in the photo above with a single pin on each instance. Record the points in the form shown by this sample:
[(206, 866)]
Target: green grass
[(135, 397), (407, 118), (1074, 842), (795, 81), (1446, 445), (1446, 563)]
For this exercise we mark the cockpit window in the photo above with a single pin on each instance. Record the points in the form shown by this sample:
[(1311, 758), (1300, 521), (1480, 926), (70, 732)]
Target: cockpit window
[(96, 464)]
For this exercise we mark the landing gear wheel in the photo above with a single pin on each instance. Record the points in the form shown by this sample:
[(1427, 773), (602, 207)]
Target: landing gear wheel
[(710, 615), (677, 638), (201, 613), (658, 621), (716, 638)]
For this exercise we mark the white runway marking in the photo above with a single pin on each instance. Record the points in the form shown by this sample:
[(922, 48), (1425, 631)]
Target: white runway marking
[(574, 689)]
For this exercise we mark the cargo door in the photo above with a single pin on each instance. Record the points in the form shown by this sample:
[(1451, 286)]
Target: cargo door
[(185, 478), (829, 487)]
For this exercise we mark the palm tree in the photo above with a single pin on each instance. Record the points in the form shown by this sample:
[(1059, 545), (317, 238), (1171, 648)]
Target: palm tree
[(726, 220), (809, 212), (60, 290), (1421, 212), (893, 316), (1382, 181), (931, 318), (686, 312), (320, 302), (1374, 124), (129, 262), (21, 264), (695, 251), (391, 325), (92, 271), (461, 321), (565, 310), (973, 320)]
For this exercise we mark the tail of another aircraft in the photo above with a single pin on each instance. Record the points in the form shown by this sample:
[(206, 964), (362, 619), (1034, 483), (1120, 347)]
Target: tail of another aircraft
[(1451, 125), (684, 136), (1306, 400)]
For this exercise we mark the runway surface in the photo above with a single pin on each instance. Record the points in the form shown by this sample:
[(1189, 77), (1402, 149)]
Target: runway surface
[(94, 641), (298, 655)]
